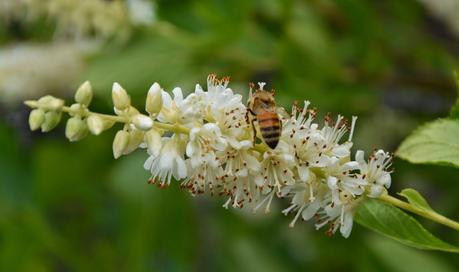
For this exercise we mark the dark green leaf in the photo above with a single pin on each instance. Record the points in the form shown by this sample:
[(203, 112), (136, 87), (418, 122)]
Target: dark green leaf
[(454, 113), (394, 223)]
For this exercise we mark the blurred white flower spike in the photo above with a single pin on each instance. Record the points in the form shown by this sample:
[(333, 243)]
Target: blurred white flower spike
[(205, 142), (83, 19)]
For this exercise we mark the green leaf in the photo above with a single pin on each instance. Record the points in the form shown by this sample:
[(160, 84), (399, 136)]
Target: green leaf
[(454, 113), (415, 198), (435, 143), (392, 222)]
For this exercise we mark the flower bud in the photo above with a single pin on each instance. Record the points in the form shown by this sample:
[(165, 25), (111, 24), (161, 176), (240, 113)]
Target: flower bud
[(97, 124), (120, 98), (131, 111), (52, 119), (76, 129), (142, 122), (77, 110), (154, 99), (36, 118), (120, 143), (135, 139), (84, 94), (153, 139), (31, 103), (50, 103)]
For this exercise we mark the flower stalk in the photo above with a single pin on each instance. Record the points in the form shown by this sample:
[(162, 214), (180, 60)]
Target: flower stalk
[(426, 213), (120, 119)]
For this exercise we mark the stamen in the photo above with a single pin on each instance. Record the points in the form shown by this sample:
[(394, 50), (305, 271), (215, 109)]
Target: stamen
[(351, 133), (292, 224)]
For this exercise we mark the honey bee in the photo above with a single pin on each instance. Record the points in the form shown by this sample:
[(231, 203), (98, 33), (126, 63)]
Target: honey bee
[(262, 106)]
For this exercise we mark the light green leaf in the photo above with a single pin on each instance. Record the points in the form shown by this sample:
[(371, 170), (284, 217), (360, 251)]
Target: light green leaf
[(435, 143), (415, 198), (392, 222)]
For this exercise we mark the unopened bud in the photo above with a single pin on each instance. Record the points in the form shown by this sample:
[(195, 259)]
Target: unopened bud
[(154, 99), (84, 94), (120, 143), (31, 103), (52, 119), (76, 129), (135, 139), (50, 103), (153, 139), (36, 118), (77, 110), (120, 98), (131, 111), (97, 124), (142, 122)]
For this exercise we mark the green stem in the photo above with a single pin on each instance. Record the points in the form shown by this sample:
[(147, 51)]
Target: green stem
[(119, 119), (177, 128), (172, 127), (429, 214)]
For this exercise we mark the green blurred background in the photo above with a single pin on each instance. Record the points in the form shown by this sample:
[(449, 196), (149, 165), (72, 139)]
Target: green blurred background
[(72, 207)]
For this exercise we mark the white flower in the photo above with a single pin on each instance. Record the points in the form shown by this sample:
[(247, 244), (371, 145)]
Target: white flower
[(203, 144), (332, 133), (343, 176), (299, 122), (204, 168), (277, 172), (239, 161), (338, 215), (375, 171), (240, 190), (309, 151), (224, 108), (203, 177), (169, 163), (303, 203), (277, 166), (179, 109)]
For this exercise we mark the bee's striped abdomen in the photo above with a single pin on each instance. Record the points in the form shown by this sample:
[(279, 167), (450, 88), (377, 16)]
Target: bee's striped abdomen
[(270, 127)]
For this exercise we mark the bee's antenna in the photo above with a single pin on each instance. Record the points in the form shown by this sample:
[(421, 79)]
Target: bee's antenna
[(262, 85), (252, 86), (273, 92)]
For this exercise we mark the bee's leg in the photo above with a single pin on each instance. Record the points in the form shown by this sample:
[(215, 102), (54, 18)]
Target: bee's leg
[(254, 131), (251, 122)]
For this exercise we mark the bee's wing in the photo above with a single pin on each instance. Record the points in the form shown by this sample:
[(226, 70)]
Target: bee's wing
[(250, 96), (282, 112)]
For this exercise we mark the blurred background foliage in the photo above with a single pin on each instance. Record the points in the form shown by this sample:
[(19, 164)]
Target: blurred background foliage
[(72, 207)]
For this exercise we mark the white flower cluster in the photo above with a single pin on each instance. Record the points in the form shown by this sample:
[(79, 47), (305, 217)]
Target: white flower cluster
[(311, 164), (83, 18), (206, 141), (27, 70)]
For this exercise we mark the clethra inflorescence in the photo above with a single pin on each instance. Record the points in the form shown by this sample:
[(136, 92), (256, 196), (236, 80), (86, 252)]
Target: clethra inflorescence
[(205, 141)]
